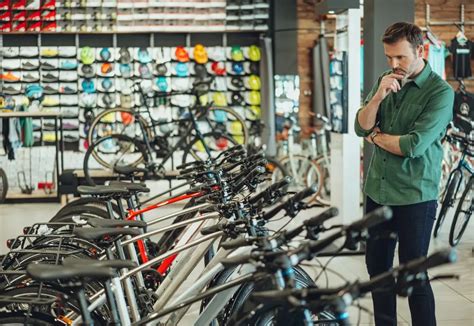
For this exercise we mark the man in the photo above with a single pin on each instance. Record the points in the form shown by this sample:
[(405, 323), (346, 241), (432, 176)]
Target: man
[(405, 116)]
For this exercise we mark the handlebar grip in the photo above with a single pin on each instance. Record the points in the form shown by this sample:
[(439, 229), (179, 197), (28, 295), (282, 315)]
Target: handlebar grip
[(237, 243), (212, 229), (194, 163), (274, 211), (441, 257), (321, 218), (373, 218), (253, 174), (305, 193), (274, 187), (235, 261)]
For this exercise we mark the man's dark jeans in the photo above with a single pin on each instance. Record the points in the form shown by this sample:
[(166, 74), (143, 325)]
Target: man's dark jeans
[(412, 226)]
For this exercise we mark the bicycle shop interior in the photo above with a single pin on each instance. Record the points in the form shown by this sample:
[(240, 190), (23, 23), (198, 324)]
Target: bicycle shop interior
[(234, 162)]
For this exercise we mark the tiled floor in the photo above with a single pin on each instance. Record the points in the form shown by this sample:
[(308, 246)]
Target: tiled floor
[(454, 298)]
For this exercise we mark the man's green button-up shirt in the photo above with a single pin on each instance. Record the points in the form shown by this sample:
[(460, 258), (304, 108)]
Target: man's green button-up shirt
[(419, 113)]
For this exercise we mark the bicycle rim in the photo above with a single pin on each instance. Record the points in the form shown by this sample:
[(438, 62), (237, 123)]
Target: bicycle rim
[(226, 121), (3, 185), (462, 215), (307, 174), (447, 201), (117, 121)]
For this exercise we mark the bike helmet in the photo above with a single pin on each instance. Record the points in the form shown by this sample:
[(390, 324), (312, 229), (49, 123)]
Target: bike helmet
[(87, 55), (218, 67), (105, 54), (106, 68), (181, 100), (253, 82), (236, 54), (146, 85), (2, 102), (161, 69), (254, 68), (124, 55), (161, 84), (255, 112), (236, 99), (125, 70), (125, 101), (200, 54), (200, 71), (144, 71), (34, 92), (182, 69), (88, 71), (181, 54), (253, 53), (88, 85), (236, 83), (217, 53), (143, 55), (219, 99), (253, 98), (237, 68), (106, 84)]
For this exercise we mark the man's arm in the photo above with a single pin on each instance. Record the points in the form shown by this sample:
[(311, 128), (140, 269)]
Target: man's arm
[(429, 126), (390, 143), (366, 116)]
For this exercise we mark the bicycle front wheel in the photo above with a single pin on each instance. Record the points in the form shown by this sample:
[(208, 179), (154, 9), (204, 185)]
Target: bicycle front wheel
[(305, 172), (216, 142), (118, 121), (448, 200), (463, 214), (111, 151), (3, 185), (226, 121)]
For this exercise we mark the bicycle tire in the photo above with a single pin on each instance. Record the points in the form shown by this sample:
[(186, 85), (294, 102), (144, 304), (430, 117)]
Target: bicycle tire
[(3, 186), (300, 182), (90, 153), (91, 202), (66, 215), (231, 115), (458, 226), (325, 194), (447, 202), (33, 290), (195, 146), (93, 134), (34, 319)]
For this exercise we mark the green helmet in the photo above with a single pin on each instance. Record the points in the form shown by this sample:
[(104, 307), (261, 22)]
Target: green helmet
[(87, 55), (236, 53)]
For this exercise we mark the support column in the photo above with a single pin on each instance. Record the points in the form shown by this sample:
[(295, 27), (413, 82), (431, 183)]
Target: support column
[(345, 148)]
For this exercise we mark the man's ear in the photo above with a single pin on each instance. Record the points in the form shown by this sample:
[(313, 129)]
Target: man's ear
[(419, 51)]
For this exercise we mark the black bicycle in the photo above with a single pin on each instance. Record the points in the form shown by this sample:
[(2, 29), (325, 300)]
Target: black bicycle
[(455, 181), (136, 137)]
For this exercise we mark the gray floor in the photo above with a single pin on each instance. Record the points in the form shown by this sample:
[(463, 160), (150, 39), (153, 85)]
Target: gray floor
[(454, 298)]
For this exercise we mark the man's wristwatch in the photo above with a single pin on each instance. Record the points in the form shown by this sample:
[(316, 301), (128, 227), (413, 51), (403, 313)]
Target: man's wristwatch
[(373, 135)]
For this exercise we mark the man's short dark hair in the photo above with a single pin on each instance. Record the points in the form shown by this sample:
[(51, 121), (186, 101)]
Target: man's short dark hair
[(402, 30)]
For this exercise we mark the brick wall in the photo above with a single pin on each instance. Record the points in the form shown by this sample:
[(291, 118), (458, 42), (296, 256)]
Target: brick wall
[(309, 29)]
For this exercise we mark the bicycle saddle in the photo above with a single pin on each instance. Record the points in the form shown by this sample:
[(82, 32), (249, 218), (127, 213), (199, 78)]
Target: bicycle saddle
[(107, 223), (132, 187), (47, 272), (102, 190), (93, 263), (94, 234)]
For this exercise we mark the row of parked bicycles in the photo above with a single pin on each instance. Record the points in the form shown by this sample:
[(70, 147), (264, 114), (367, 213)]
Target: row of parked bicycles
[(98, 261), (138, 137)]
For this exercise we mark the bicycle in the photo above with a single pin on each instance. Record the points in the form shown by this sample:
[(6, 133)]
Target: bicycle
[(138, 139), (454, 184)]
